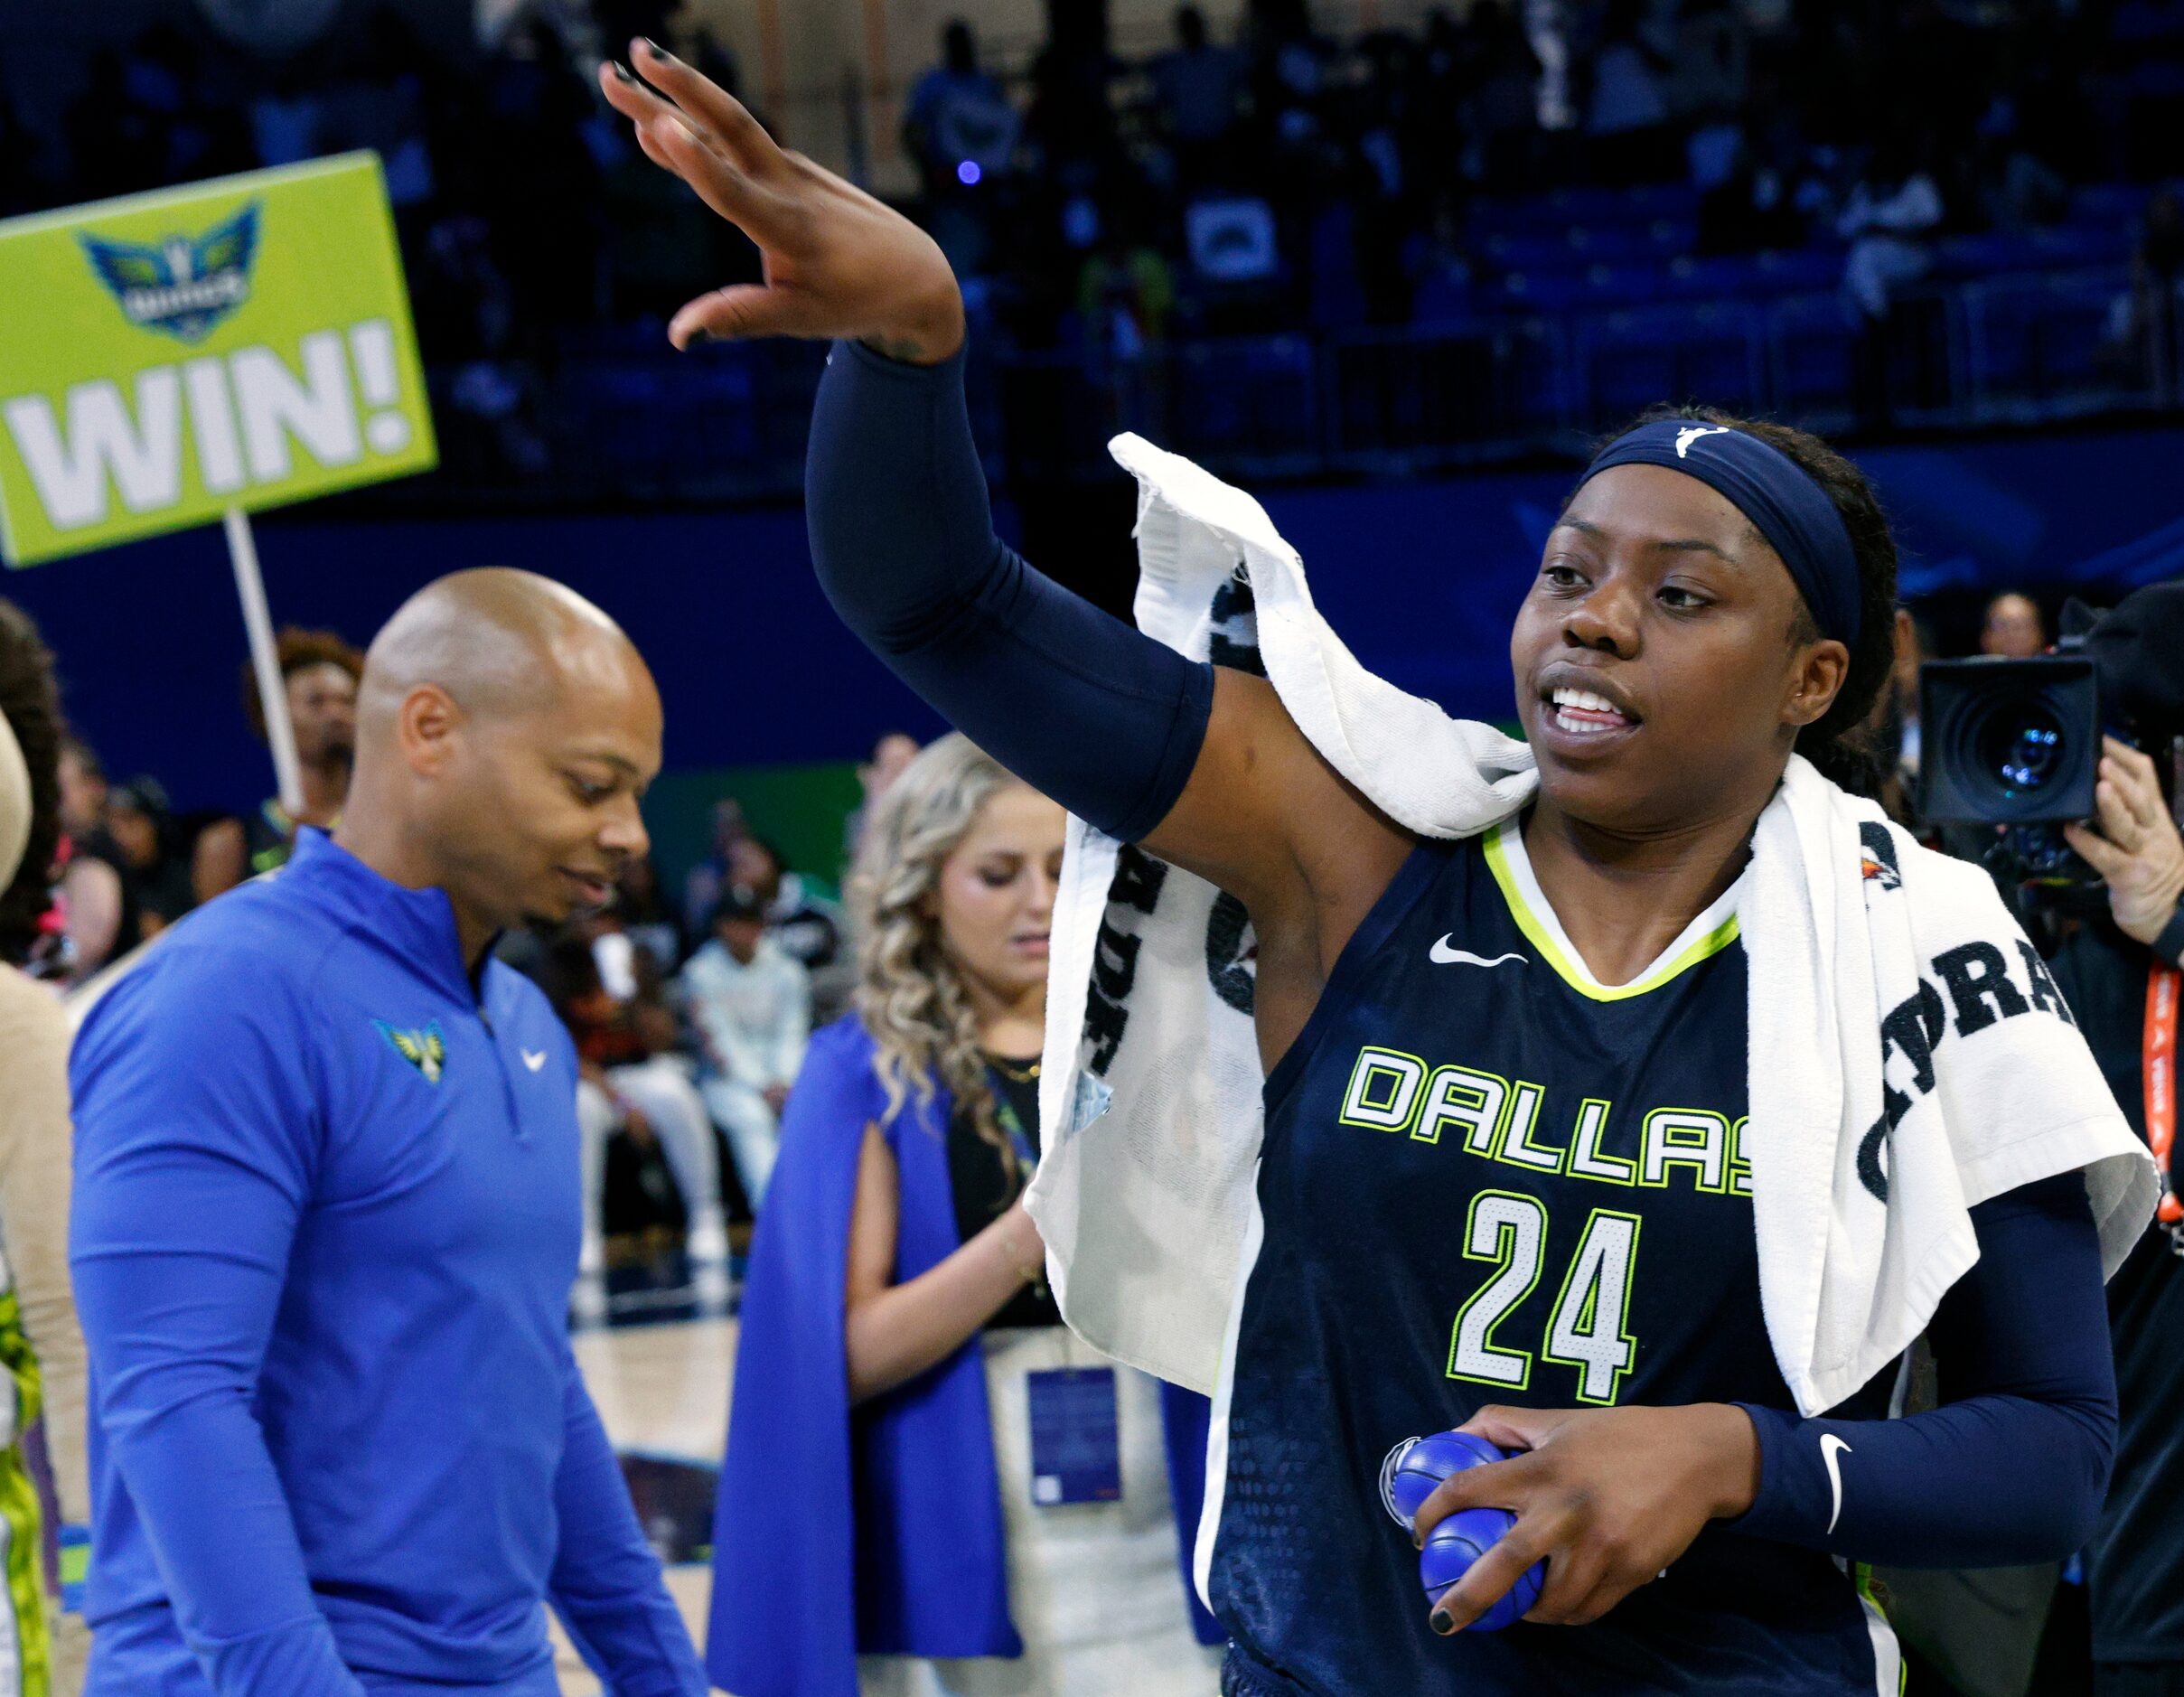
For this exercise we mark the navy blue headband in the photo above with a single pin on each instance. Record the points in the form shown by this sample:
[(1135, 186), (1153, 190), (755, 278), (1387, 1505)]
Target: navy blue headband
[(1770, 489)]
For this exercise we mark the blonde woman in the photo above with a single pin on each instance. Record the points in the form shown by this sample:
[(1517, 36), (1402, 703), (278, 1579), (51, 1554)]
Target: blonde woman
[(924, 1464)]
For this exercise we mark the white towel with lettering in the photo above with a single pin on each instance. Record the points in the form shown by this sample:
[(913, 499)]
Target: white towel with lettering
[(1911, 1055)]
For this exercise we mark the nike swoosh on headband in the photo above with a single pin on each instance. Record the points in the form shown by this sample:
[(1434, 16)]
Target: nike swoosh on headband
[(1442, 954), (1829, 1445)]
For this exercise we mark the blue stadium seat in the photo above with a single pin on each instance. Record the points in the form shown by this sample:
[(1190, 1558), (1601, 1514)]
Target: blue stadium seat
[(1541, 292), (2118, 203), (1247, 401), (2038, 342), (1811, 348), (1711, 352), (1444, 293)]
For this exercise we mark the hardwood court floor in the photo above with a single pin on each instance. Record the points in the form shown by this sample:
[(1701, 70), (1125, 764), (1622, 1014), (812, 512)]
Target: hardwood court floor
[(662, 1392)]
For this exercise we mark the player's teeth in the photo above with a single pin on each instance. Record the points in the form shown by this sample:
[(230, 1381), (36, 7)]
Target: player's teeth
[(1585, 699)]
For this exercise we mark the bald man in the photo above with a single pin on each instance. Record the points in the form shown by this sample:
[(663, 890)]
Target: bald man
[(326, 1213)]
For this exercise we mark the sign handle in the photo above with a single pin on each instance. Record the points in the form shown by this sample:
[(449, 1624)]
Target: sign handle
[(272, 688)]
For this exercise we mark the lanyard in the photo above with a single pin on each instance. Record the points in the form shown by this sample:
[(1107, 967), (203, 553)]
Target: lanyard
[(2160, 1073), (1027, 1158)]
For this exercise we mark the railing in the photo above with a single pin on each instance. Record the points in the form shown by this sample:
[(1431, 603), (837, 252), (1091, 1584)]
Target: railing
[(631, 424)]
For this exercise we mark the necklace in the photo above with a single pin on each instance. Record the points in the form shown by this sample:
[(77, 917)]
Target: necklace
[(1015, 1071)]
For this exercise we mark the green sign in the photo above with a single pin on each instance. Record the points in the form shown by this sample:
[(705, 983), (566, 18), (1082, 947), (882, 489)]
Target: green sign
[(241, 342)]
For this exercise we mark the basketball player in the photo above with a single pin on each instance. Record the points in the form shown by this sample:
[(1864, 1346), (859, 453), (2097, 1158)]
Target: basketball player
[(326, 1213), (1667, 661)]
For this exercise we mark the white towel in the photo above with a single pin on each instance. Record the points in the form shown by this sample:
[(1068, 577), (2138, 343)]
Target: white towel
[(1909, 1055)]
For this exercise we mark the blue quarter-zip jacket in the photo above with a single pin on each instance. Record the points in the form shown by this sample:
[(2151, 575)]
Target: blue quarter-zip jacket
[(324, 1224)]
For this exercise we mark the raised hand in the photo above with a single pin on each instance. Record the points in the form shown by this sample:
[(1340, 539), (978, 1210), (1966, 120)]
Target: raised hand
[(838, 263)]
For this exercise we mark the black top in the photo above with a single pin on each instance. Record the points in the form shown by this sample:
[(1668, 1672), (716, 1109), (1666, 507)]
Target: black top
[(986, 1181), (2137, 1564)]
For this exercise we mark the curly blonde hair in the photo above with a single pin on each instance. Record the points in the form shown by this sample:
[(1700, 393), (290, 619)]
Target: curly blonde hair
[(909, 994)]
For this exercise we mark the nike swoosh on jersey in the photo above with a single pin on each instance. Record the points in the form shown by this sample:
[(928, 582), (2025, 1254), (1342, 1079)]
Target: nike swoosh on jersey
[(1442, 954), (534, 1061), (1829, 1445)]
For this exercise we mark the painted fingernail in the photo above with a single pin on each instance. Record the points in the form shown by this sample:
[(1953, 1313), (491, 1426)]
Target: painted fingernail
[(1442, 1622), (695, 336), (622, 73), (654, 48)]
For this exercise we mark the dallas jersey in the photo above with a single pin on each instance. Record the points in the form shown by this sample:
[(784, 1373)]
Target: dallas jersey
[(1488, 1178)]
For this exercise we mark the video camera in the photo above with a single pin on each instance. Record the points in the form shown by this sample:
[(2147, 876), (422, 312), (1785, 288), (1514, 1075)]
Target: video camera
[(2016, 744)]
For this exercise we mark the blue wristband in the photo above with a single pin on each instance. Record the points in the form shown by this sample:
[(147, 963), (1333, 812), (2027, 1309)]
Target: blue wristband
[(75, 1567)]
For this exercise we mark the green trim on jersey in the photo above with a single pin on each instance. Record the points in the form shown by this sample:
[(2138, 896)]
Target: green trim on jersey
[(1877, 1616), (1541, 936)]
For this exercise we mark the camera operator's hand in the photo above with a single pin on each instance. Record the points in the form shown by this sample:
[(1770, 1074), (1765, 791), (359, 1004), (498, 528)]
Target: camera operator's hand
[(2137, 850)]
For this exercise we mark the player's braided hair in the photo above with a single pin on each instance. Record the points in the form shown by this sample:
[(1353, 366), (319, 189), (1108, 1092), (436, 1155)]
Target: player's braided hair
[(1838, 741)]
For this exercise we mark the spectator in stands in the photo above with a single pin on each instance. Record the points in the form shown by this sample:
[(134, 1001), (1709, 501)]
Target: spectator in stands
[(1755, 187), (1710, 67), (631, 1079), (41, 1355), (545, 210), (2143, 328), (961, 131), (1198, 91), (1503, 107), (21, 188), (751, 1005), (803, 924), (958, 115), (2013, 626), (1888, 219), (1914, 648), (100, 904), (2149, 36), (704, 884), (319, 672), (875, 775), (155, 867), (1892, 727), (1627, 118), (645, 915), (898, 1308), (1126, 292), (1893, 209)]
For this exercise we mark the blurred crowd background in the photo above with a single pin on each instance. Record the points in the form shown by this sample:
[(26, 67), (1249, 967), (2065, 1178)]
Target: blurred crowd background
[(1294, 241)]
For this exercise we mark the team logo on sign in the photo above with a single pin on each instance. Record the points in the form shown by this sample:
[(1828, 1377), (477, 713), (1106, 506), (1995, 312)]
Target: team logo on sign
[(425, 1050), (182, 286)]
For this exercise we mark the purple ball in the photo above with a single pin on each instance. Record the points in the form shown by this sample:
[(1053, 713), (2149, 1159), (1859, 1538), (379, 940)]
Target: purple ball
[(1461, 1539), (1414, 1466)]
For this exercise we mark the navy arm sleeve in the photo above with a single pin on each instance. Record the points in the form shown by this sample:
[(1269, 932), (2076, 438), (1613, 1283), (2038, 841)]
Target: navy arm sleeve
[(2010, 1470), (194, 1128), (606, 1582), (1100, 716)]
